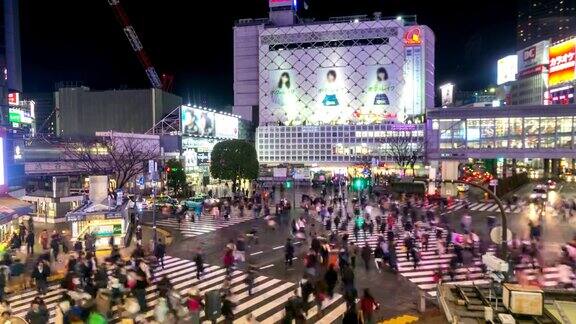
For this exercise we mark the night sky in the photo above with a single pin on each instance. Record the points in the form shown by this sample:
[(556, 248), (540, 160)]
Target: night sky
[(82, 41)]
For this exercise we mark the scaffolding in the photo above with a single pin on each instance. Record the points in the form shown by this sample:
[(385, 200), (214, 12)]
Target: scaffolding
[(169, 125)]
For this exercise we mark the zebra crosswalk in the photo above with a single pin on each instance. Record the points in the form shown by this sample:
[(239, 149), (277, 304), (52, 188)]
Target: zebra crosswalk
[(432, 261), (206, 224), (493, 207), (265, 304)]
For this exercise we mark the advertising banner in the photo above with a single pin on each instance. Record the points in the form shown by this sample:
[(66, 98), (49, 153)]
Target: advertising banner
[(226, 126), (190, 159), (383, 101), (332, 99), (447, 94), (197, 122), (203, 158), (562, 62)]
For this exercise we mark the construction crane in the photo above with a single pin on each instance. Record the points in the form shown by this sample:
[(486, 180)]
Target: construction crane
[(155, 81)]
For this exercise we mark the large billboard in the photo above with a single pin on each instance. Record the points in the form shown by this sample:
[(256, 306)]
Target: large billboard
[(197, 122), (562, 58), (347, 73), (226, 126), (507, 69), (200, 122)]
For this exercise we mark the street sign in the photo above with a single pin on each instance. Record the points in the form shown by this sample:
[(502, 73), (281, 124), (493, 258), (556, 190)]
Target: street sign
[(494, 182), (152, 166)]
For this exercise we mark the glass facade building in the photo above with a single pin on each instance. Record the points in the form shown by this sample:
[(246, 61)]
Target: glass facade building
[(510, 132), (334, 144)]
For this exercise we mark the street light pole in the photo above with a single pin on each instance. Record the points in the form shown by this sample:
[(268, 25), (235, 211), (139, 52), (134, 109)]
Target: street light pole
[(504, 243)]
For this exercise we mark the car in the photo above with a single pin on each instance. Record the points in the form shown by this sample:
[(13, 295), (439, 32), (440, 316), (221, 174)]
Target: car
[(462, 187), (193, 202), (540, 192), (162, 201), (551, 184)]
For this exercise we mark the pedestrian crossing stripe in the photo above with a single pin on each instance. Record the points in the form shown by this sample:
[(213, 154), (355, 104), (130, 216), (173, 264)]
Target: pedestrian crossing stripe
[(431, 261), (493, 207), (266, 303), (206, 224)]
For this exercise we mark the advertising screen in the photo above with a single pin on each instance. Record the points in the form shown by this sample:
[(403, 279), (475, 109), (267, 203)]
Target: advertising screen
[(197, 122), (562, 62), (226, 126), (507, 69)]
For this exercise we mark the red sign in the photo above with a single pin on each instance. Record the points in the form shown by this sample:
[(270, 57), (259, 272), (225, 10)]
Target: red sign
[(538, 69), (530, 53), (562, 62), (413, 36), (13, 99)]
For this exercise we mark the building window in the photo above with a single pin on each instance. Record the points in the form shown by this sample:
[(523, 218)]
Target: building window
[(473, 133)]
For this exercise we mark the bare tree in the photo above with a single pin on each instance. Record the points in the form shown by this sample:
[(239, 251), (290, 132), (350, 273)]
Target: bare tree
[(121, 157), (405, 151)]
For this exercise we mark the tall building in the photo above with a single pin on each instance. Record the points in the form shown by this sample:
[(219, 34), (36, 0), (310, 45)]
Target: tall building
[(540, 20), (332, 93), (11, 171)]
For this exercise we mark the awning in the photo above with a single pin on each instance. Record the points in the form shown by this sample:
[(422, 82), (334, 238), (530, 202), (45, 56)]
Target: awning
[(11, 208)]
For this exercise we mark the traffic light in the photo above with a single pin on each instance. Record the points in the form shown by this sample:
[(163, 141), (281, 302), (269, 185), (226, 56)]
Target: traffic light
[(168, 169), (359, 184), (288, 184)]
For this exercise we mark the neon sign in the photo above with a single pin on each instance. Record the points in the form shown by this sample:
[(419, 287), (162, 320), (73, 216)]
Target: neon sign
[(413, 36)]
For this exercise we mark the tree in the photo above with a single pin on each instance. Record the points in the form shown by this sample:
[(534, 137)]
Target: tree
[(121, 156), (405, 151), (176, 177), (234, 160)]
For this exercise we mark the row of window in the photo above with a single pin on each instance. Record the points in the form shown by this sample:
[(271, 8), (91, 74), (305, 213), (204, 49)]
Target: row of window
[(527, 132)]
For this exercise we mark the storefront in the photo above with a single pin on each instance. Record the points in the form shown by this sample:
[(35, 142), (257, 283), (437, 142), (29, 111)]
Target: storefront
[(196, 153), (101, 225), (52, 210)]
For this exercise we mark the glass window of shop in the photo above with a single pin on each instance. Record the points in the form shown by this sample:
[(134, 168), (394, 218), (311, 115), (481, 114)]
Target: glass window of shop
[(516, 133), (473, 133), (501, 132), (565, 142), (487, 133), (547, 126), (531, 128), (564, 125)]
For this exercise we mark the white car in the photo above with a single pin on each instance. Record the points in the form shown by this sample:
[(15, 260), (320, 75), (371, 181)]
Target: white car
[(462, 187), (539, 192)]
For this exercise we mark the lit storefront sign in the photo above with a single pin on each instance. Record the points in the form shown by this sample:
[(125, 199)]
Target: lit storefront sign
[(14, 99), (562, 62)]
